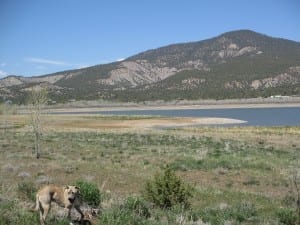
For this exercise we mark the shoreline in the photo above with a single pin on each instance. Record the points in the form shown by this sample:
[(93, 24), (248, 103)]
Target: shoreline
[(91, 109), (88, 122)]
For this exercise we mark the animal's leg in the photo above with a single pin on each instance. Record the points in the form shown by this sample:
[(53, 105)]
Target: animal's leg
[(44, 212), (41, 211), (41, 217), (37, 204)]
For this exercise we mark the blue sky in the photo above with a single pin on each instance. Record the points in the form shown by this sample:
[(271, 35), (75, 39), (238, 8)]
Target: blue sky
[(44, 36)]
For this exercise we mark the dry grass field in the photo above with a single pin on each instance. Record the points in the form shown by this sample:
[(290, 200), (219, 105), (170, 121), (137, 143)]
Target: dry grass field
[(240, 175)]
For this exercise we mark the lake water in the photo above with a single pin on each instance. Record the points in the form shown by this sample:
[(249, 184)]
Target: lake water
[(285, 116)]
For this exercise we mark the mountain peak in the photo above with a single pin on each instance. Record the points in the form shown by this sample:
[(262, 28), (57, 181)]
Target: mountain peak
[(242, 32), (241, 63)]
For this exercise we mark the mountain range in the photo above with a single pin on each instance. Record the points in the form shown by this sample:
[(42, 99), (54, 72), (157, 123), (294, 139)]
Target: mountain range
[(236, 64)]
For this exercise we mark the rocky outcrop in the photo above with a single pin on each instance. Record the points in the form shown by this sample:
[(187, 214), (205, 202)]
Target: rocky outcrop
[(49, 79), (234, 84), (10, 81), (138, 72), (276, 81)]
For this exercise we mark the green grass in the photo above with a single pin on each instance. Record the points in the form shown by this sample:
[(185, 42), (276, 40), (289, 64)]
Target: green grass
[(12, 214), (239, 174)]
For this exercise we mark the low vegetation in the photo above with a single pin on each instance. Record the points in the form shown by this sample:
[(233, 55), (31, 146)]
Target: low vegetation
[(233, 175), (90, 193), (167, 190)]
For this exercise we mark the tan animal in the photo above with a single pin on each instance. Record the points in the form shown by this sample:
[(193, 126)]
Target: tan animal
[(66, 197)]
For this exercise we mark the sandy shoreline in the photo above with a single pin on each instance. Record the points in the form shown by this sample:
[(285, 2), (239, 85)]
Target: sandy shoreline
[(206, 121), (168, 107), (92, 122)]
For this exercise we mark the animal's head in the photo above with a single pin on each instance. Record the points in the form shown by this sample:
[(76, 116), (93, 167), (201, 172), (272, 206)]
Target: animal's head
[(71, 192)]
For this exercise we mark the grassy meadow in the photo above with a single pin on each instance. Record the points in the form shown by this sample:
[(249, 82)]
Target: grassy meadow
[(240, 175)]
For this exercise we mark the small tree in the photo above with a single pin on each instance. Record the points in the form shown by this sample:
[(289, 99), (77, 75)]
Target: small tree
[(167, 190), (37, 99), (90, 193)]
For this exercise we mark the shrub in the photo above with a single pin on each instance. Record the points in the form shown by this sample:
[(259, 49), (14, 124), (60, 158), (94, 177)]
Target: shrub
[(90, 193), (167, 190), (6, 209), (244, 211), (10, 213), (287, 216), (27, 190)]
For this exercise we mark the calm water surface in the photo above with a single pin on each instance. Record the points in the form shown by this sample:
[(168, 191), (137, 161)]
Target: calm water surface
[(289, 116)]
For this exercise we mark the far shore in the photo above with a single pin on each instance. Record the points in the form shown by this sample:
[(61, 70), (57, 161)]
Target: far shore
[(91, 108), (105, 108)]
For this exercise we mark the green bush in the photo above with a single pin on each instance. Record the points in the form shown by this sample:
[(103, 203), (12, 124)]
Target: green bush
[(167, 190), (27, 190), (287, 216), (90, 193), (12, 214), (6, 209)]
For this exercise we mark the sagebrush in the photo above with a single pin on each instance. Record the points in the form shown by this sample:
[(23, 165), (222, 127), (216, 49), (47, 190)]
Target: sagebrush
[(167, 190)]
